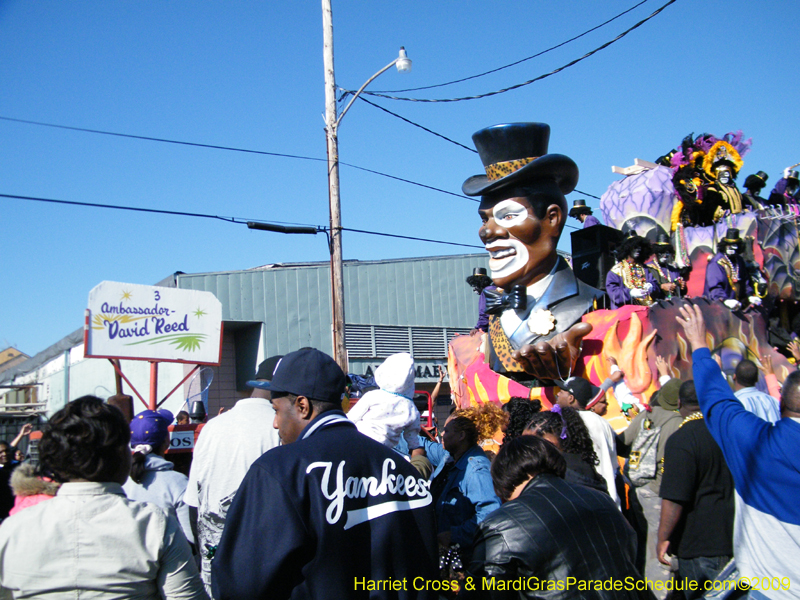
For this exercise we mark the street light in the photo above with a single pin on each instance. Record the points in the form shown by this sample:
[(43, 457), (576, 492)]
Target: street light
[(403, 64)]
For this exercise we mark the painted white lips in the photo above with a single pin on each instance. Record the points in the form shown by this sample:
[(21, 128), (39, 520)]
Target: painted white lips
[(506, 258)]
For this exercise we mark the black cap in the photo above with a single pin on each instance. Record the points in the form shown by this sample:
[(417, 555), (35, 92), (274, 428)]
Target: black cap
[(308, 373), (581, 388), (265, 371)]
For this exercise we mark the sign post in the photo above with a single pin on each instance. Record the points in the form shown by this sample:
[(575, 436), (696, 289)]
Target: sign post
[(156, 324)]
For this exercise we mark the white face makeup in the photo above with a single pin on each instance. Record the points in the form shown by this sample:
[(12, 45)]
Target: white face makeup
[(509, 213), (731, 250), (509, 255)]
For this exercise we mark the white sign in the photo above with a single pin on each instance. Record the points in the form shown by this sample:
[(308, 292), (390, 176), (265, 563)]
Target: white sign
[(144, 322), (181, 440)]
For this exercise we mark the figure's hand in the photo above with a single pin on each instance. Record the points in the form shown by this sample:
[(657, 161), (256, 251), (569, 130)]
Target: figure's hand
[(668, 287), (732, 304), (442, 373), (694, 326), (555, 358), (766, 361), (794, 348), (638, 293), (662, 366), (754, 301)]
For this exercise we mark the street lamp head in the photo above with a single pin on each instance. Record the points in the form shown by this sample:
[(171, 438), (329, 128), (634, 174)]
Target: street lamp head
[(403, 63)]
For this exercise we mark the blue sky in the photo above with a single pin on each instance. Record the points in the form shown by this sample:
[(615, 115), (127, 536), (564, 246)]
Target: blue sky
[(249, 75)]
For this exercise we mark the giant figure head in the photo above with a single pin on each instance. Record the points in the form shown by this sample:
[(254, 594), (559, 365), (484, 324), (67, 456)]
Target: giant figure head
[(522, 209)]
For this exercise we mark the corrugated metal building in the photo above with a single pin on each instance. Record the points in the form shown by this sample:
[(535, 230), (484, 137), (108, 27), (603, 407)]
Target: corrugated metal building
[(411, 305), (407, 305)]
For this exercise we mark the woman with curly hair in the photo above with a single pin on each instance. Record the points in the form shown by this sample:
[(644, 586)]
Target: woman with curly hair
[(563, 427), (489, 420), (520, 412), (90, 540)]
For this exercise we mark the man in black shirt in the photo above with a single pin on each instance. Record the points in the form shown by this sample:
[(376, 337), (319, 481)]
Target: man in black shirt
[(697, 505)]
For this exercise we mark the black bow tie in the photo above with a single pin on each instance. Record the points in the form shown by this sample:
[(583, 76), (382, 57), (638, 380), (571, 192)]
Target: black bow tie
[(497, 302)]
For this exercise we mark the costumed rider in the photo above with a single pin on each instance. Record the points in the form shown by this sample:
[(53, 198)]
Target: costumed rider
[(583, 213), (785, 191), (630, 281), (480, 281), (534, 328), (754, 184), (726, 274), (663, 267), (722, 164)]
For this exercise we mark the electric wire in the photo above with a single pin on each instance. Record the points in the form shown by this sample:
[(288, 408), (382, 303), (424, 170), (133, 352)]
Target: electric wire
[(231, 149), (513, 64), (235, 220), (524, 83)]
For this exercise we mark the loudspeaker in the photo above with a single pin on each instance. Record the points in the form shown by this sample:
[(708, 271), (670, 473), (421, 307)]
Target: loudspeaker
[(593, 253)]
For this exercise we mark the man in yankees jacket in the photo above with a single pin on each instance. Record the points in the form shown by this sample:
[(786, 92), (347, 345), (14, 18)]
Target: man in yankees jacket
[(330, 513)]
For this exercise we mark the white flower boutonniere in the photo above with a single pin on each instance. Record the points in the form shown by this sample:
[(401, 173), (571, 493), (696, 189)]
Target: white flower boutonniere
[(541, 322)]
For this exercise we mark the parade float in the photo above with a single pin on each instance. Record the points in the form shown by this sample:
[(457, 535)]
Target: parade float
[(688, 196)]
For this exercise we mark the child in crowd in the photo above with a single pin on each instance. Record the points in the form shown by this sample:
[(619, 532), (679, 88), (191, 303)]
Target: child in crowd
[(389, 412)]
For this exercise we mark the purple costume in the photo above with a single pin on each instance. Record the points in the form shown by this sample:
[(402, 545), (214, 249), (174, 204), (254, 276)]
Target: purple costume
[(620, 295), (590, 221), (483, 318), (718, 287)]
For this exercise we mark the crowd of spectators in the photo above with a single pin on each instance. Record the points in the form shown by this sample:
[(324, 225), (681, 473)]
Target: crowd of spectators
[(288, 498)]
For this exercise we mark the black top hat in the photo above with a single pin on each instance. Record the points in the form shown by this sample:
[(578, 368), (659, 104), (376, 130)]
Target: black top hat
[(731, 236), (662, 244), (516, 153), (758, 180), (479, 278), (792, 175), (579, 208)]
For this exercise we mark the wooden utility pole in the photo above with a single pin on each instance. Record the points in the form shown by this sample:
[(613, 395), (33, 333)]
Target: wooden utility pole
[(331, 130)]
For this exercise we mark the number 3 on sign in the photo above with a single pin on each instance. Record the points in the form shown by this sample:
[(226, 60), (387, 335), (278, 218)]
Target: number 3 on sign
[(158, 295)]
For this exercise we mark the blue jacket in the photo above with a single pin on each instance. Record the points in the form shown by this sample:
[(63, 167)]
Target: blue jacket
[(764, 461), (467, 497), (322, 516)]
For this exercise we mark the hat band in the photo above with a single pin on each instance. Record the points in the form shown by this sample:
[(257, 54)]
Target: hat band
[(499, 170)]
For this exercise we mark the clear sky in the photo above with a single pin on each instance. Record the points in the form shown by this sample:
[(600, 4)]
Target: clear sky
[(249, 74)]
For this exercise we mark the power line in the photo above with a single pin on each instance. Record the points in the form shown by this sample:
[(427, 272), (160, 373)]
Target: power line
[(513, 64), (530, 81), (230, 149), (590, 195), (236, 220), (444, 137)]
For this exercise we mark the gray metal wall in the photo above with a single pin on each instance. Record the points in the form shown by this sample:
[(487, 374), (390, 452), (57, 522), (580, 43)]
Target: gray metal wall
[(293, 301)]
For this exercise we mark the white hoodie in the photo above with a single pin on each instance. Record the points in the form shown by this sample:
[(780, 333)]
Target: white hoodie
[(387, 413)]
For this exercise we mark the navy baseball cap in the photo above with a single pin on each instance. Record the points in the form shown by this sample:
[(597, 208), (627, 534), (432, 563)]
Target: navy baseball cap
[(265, 372), (308, 373)]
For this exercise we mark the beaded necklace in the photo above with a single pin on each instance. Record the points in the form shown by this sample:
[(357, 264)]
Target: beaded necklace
[(633, 276), (731, 271)]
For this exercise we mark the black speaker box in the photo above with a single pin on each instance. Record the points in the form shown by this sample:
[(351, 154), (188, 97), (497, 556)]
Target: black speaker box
[(593, 253)]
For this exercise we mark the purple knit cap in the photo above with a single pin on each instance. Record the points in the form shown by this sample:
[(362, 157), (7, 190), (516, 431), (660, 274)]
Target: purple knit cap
[(150, 427)]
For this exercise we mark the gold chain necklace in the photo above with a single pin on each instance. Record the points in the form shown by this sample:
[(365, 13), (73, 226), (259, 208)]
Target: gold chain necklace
[(692, 417)]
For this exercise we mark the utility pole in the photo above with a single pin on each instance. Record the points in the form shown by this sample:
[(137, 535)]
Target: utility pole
[(331, 130)]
